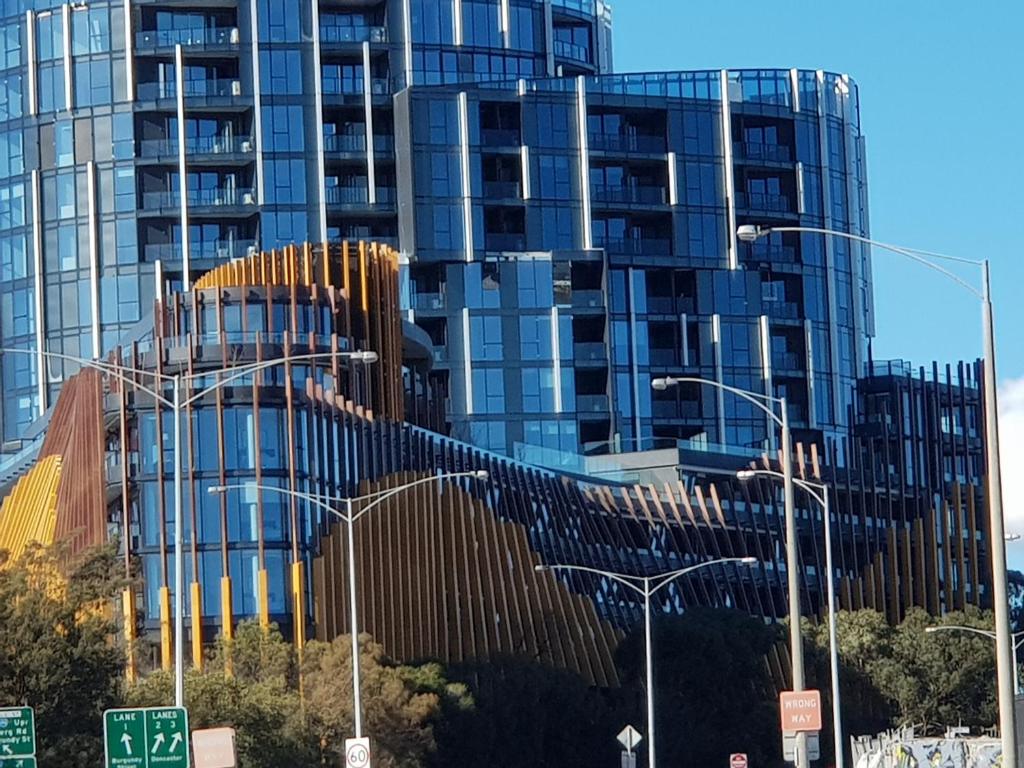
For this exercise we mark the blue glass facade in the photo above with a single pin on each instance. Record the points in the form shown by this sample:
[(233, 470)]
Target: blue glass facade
[(578, 232), (288, 137)]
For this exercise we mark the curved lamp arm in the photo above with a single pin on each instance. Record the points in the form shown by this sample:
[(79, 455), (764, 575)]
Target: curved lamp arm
[(754, 397), (661, 578), (814, 490)]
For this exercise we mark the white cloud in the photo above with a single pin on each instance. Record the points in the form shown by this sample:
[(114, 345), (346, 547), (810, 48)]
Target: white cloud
[(1011, 453)]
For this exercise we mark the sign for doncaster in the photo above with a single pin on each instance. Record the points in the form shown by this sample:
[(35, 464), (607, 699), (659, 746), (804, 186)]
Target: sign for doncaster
[(800, 710)]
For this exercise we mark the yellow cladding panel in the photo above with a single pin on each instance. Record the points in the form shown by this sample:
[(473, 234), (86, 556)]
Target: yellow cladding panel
[(29, 513), (197, 625)]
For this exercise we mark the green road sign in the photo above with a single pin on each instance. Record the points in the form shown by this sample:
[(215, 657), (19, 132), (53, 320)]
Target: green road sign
[(18, 762), (156, 737), (17, 732)]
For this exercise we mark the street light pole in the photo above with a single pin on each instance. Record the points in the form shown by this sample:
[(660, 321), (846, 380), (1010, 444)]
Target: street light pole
[(642, 585), (349, 517), (819, 492), (796, 648), (179, 578)]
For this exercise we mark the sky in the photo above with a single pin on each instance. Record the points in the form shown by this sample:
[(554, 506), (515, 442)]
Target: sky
[(940, 107)]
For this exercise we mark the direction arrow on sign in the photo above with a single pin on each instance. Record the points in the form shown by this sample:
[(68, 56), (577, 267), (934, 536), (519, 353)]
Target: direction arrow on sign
[(17, 732), (629, 737), (154, 737), (18, 762)]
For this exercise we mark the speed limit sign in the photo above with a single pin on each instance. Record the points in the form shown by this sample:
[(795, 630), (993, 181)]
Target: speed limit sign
[(357, 753)]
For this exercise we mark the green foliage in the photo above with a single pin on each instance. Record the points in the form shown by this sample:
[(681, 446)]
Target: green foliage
[(713, 689), (260, 700), (527, 714), (55, 649), (906, 676)]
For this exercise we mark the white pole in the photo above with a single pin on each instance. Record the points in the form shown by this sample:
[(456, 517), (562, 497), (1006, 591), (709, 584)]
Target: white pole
[(179, 577), (649, 654), (997, 538), (357, 707), (833, 645), (796, 648)]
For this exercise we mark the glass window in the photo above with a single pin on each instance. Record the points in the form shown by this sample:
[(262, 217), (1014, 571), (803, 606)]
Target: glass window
[(488, 390), (485, 338), (279, 23), (90, 31), (535, 337), (92, 83), (10, 97), (538, 390), (281, 72), (286, 181), (283, 128), (10, 46)]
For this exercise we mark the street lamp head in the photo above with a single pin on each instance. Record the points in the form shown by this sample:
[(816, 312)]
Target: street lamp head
[(213, 490), (365, 356), (749, 561), (482, 474), (746, 474), (541, 568), (1013, 537), (748, 233), (661, 384), (932, 629)]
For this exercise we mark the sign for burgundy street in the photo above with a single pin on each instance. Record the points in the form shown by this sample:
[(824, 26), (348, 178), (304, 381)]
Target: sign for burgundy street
[(17, 732), (156, 737)]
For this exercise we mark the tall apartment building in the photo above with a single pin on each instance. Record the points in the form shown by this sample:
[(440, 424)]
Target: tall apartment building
[(551, 236)]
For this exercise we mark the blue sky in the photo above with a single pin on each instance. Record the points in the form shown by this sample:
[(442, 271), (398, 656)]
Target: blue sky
[(940, 106)]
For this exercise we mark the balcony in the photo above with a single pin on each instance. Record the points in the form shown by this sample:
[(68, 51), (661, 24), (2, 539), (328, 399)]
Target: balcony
[(215, 197), (590, 352), (503, 190), (786, 361), (592, 404), (221, 250), (505, 241), (501, 137), (782, 254), (333, 86), (197, 37), (587, 299), (196, 145), (429, 301), (632, 195), (762, 201), (668, 305), (664, 357), (688, 410), (782, 310), (772, 153), (211, 87), (334, 34), (627, 143), (338, 195), (563, 49), (645, 246)]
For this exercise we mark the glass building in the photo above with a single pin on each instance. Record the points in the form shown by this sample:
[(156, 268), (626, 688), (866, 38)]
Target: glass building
[(550, 237), (283, 133)]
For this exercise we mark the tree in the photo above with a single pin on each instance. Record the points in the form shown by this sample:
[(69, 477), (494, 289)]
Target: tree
[(525, 714), (55, 648), (713, 689), (259, 699), (401, 704)]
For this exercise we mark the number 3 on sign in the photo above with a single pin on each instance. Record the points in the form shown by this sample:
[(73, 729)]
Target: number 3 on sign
[(357, 753)]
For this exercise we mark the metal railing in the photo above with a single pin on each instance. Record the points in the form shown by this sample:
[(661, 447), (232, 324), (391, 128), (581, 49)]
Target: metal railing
[(195, 36), (628, 194), (636, 246), (763, 201), (207, 87), (774, 153), (213, 197), (336, 33), (627, 142), (197, 145)]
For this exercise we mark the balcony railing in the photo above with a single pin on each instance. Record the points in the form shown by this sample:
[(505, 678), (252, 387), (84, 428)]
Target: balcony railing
[(345, 142), (774, 153), (194, 37), (627, 142), (197, 145), (634, 194), (668, 305), (587, 299), (637, 246), (336, 33), (505, 242), (590, 352), (225, 250), (563, 49), (213, 197), (208, 87), (783, 310), (429, 301), (354, 86), (358, 195), (763, 201), (501, 137), (592, 403), (786, 361), (502, 190), (785, 254)]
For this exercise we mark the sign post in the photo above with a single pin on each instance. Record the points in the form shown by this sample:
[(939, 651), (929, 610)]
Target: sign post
[(154, 737), (17, 737), (629, 737)]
